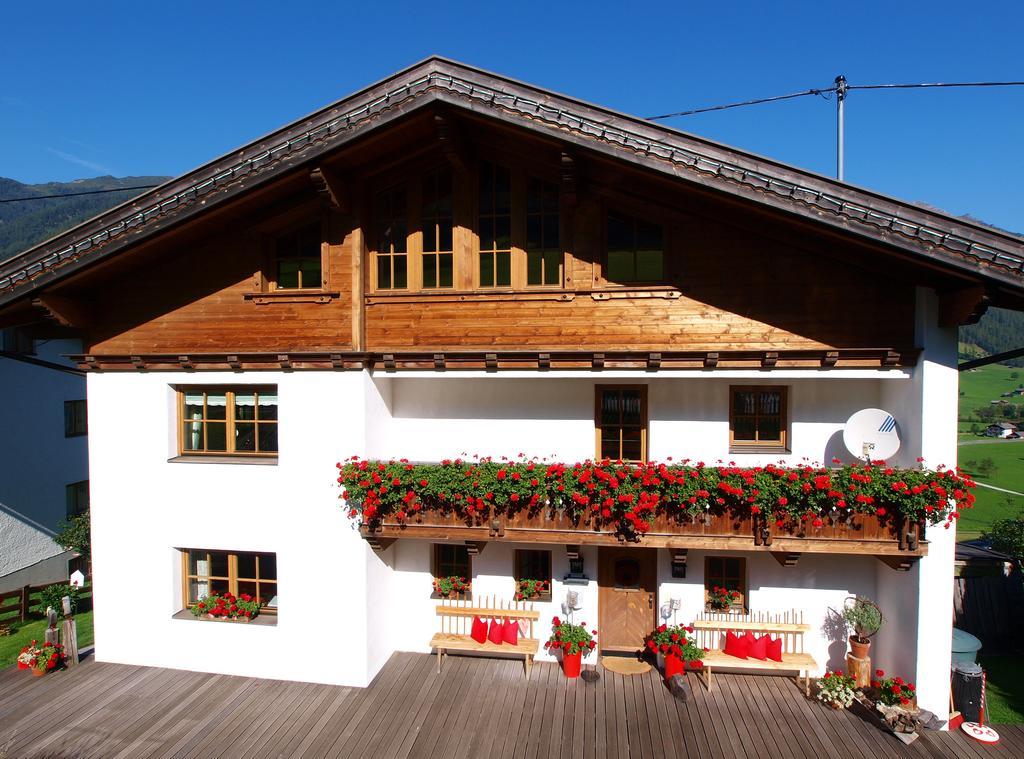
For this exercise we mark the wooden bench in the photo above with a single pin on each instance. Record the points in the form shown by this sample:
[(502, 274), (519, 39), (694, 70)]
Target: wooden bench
[(456, 618), (711, 627)]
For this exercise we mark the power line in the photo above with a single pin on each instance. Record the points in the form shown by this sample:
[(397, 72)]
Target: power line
[(76, 194), (826, 92)]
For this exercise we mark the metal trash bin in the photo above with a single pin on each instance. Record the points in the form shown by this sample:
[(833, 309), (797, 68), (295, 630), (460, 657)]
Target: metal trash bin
[(965, 646), (968, 681)]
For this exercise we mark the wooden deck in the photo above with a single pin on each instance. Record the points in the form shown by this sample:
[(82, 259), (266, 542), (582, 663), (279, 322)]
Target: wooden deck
[(476, 708)]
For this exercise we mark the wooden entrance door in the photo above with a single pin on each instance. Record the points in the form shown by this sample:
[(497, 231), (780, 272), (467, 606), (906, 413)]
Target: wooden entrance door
[(626, 579)]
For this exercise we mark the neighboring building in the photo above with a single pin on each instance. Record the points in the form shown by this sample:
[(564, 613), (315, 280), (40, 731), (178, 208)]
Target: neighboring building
[(450, 261), (44, 453), (1001, 429)]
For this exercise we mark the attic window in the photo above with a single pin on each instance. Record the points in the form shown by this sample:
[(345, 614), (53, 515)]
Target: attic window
[(298, 259), (636, 250)]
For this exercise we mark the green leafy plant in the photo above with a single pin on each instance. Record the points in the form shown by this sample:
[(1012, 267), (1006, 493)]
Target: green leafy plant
[(570, 638), (893, 691), (74, 535), (836, 689), (52, 595), (527, 589), (721, 599), (863, 616), (226, 606), (1007, 535), (674, 639), (45, 657), (445, 586)]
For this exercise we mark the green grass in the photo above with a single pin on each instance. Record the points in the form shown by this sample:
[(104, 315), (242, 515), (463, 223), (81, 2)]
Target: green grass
[(26, 632), (1004, 689), (980, 386), (991, 505)]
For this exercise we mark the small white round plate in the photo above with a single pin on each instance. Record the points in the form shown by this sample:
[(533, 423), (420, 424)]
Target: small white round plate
[(982, 733)]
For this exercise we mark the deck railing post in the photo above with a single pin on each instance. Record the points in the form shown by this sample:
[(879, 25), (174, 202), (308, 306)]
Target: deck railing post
[(26, 594)]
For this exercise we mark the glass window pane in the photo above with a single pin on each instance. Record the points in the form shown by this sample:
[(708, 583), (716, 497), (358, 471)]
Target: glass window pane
[(216, 436), (504, 269), (743, 403), (193, 405), (247, 586), (631, 407), (197, 589), (534, 236), (770, 403), (486, 233), (268, 594), (268, 566), (611, 409), (247, 565), (198, 564), (632, 449), (620, 233), (768, 428), (245, 406), (192, 436), (534, 262), (552, 267), (610, 445), (219, 586), (245, 437), (430, 271), (400, 273), (447, 269), (551, 231), (268, 437), (444, 235), (216, 405), (487, 270), (620, 266), (384, 272), (268, 406), (648, 236), (219, 563), (486, 186), (649, 265), (503, 232), (743, 428), (311, 273), (288, 273)]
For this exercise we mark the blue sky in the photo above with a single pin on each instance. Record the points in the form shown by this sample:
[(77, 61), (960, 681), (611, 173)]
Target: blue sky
[(159, 88)]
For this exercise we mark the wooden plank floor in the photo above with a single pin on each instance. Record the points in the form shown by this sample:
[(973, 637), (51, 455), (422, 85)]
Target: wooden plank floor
[(476, 708)]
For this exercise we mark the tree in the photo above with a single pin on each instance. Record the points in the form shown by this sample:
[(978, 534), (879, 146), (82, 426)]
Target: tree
[(1007, 535), (74, 535)]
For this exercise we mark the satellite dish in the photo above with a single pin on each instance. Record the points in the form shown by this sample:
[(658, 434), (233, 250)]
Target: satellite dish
[(871, 434)]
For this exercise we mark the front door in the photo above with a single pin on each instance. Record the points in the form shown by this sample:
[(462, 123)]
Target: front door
[(626, 579)]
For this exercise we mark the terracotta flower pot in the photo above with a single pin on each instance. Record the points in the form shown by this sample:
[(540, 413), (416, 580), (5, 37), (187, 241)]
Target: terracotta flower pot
[(571, 664), (673, 666), (859, 649), (37, 672)]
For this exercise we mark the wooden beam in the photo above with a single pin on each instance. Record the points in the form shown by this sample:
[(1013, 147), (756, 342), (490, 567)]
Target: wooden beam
[(679, 556), (474, 547), (963, 306), (453, 146), (711, 361), (570, 179), (330, 189), (68, 312), (378, 543), (899, 563), (787, 559)]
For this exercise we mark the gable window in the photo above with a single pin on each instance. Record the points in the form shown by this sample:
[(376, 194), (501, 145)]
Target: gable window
[(390, 212), (621, 422), (298, 259), (228, 421), (726, 572), (77, 498), (543, 252), (438, 223), (452, 560), (207, 572), (75, 419), (635, 250), (534, 565), (757, 418), (495, 226)]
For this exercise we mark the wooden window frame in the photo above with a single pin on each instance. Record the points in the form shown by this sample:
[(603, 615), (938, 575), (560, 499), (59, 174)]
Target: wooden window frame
[(287, 222), (517, 569), (71, 427), (644, 430), (232, 578), (754, 446), (418, 231), (435, 562), (409, 185), (229, 420), (636, 214), (71, 492), (744, 589)]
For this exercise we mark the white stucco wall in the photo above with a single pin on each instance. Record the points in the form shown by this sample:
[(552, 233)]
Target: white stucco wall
[(38, 461)]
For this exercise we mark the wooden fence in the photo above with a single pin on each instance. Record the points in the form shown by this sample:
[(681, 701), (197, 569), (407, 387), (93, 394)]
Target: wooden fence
[(991, 609), (16, 605)]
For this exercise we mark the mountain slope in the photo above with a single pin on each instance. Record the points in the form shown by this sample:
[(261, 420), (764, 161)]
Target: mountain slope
[(22, 225)]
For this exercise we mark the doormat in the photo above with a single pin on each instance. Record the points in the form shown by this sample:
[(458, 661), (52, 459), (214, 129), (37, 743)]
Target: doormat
[(624, 665)]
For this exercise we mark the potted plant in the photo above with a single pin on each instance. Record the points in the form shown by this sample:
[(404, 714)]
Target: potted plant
[(573, 641), (893, 691), (226, 607), (721, 599), (41, 659), (678, 650), (450, 587), (529, 590), (863, 616), (836, 690)]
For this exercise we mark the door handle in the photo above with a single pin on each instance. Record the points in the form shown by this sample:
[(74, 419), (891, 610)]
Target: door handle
[(650, 600)]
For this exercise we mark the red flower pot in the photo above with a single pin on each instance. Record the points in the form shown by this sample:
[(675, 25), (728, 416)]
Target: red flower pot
[(571, 664), (673, 666), (37, 672)]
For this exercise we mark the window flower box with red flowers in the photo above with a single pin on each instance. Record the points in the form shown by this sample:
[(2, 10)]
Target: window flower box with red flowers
[(675, 649), (41, 659), (722, 599), (451, 587), (861, 508), (533, 590), (226, 607), (574, 641)]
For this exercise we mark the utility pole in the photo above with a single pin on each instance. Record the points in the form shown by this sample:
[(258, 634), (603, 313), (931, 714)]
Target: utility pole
[(841, 88)]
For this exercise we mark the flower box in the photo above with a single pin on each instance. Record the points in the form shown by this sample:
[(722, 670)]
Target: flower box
[(226, 607)]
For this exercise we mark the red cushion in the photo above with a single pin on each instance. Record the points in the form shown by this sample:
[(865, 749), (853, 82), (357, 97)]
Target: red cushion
[(774, 650), (736, 646), (510, 632), (494, 632), (479, 630), (757, 648)]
